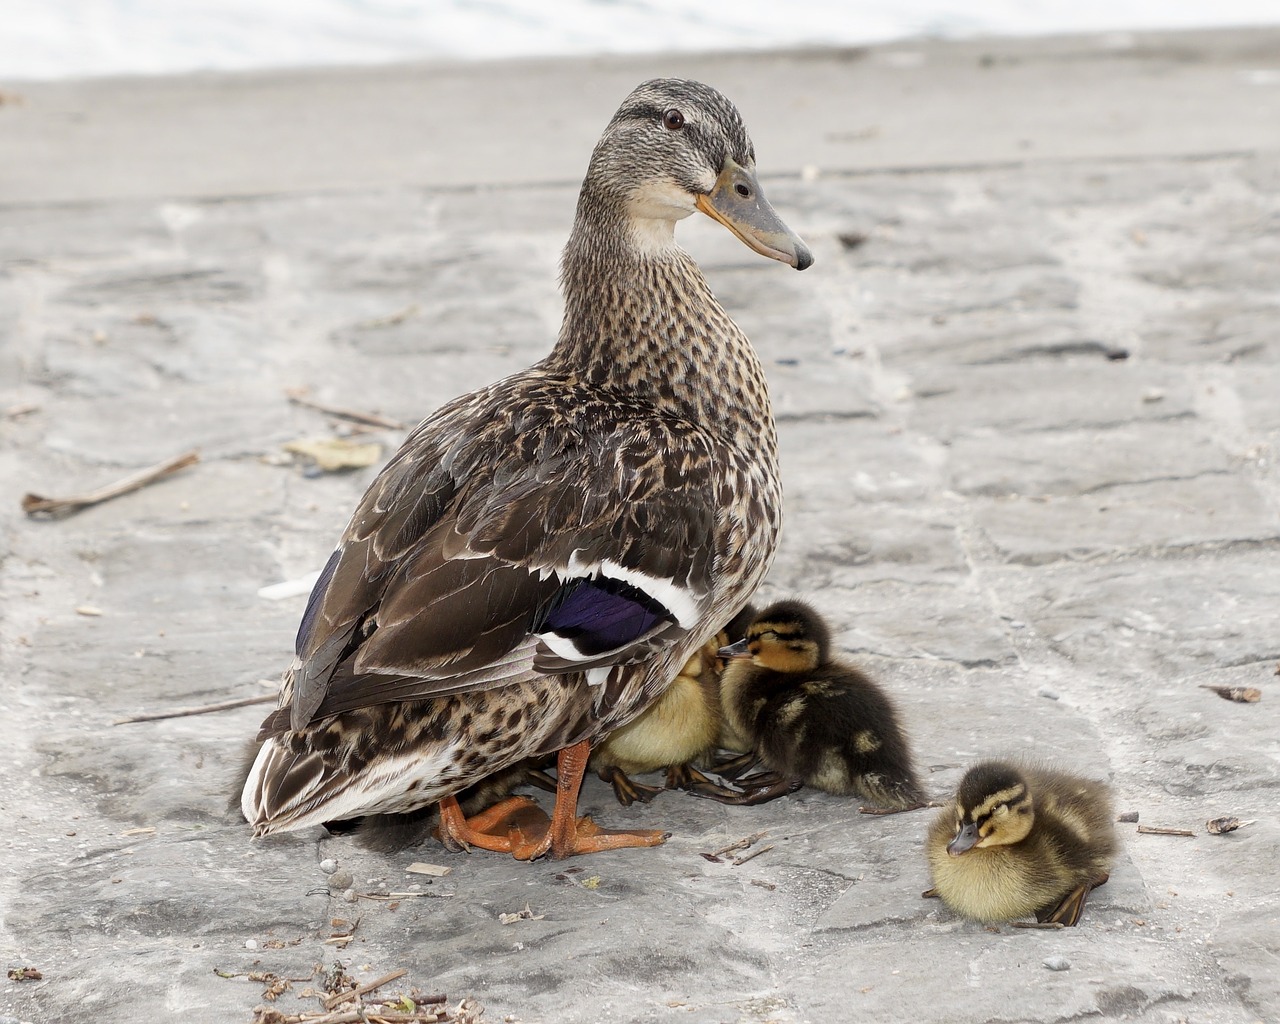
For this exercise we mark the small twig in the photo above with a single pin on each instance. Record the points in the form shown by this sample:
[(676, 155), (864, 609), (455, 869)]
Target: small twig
[(750, 856), (203, 709), (1044, 925), (363, 1015), (341, 997), (741, 844), (403, 895), (39, 507), (1155, 830), (298, 396)]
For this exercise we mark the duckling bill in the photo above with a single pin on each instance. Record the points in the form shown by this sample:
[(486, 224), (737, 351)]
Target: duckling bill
[(1018, 840), (810, 718), (533, 567)]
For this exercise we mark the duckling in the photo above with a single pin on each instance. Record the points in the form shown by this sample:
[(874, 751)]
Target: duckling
[(809, 718), (1019, 839), (675, 733), (534, 565)]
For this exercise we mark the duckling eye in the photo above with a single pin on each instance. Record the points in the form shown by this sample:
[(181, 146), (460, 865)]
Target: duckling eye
[(673, 120)]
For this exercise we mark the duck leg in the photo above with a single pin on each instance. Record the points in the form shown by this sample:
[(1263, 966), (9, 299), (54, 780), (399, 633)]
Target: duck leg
[(491, 829), (568, 834)]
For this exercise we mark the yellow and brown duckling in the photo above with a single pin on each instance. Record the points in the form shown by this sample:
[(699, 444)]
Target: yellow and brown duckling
[(679, 731), (1019, 840), (810, 718), (534, 565)]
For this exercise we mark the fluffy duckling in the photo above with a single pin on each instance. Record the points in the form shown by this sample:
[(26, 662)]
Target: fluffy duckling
[(811, 719), (681, 729), (1020, 840)]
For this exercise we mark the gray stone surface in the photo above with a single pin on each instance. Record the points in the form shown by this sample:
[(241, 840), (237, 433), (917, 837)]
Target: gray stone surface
[(988, 501)]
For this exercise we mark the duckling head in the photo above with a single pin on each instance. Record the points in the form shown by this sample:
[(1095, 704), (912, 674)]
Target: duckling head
[(993, 807), (786, 637), (675, 147)]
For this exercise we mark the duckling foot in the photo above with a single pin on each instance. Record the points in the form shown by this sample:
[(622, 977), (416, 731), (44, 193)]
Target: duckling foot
[(898, 810), (625, 788), (1067, 913), (686, 776), (735, 767), (756, 789)]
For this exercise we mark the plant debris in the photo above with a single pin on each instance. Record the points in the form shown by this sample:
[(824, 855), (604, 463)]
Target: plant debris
[(1220, 826), (521, 915), (38, 507), (25, 974), (1155, 830), (1238, 694), (202, 709), (341, 997), (300, 396), (392, 319), (435, 870), (335, 454), (741, 844), (751, 856)]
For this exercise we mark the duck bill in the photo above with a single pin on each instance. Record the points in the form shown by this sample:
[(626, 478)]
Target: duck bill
[(738, 203), (738, 650), (964, 841)]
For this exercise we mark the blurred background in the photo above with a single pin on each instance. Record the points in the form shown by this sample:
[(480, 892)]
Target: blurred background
[(52, 39)]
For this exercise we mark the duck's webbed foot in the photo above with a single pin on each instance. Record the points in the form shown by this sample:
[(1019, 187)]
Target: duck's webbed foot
[(1067, 912), (492, 828), (626, 789), (686, 776), (738, 766), (520, 827), (756, 789)]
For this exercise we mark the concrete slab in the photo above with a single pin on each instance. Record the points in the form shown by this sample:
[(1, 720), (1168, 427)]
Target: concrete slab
[(1028, 417)]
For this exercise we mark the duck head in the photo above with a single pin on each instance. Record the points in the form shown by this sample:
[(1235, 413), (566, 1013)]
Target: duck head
[(993, 807), (786, 637), (676, 147)]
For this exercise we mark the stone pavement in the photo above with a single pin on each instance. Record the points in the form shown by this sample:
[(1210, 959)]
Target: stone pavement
[(1029, 400)]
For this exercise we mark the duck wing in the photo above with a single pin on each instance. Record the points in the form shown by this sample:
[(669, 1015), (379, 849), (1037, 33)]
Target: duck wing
[(512, 534)]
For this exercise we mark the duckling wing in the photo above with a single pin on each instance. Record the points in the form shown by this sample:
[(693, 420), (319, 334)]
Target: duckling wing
[(577, 536)]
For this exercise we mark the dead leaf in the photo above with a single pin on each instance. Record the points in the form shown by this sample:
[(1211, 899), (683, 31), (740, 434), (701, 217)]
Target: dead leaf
[(334, 454), (521, 915)]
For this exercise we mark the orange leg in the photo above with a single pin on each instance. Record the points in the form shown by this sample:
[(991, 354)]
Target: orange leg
[(569, 834), (490, 829), (520, 827)]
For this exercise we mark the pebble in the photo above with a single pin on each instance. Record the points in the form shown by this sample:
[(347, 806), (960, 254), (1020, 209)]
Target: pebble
[(1058, 963), (349, 896), (250, 943), (341, 880), (328, 865), (1048, 693)]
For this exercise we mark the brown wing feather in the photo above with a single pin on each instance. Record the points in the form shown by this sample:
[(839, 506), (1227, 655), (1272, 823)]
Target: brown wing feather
[(469, 530)]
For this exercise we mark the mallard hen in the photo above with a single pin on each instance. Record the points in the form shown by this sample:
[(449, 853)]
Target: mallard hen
[(1018, 840), (811, 718), (541, 556)]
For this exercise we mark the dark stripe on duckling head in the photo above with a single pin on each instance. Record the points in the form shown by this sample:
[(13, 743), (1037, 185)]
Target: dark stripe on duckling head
[(986, 780), (792, 621), (600, 614)]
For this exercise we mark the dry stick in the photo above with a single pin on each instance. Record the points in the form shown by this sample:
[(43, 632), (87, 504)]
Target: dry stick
[(749, 856), (341, 997), (371, 419), (741, 844), (39, 507), (203, 709), (362, 1015), (1155, 830)]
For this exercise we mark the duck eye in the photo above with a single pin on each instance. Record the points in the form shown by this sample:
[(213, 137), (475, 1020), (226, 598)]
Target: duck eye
[(742, 190), (673, 120)]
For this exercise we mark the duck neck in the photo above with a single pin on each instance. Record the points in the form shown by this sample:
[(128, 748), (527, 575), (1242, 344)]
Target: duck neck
[(639, 317)]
